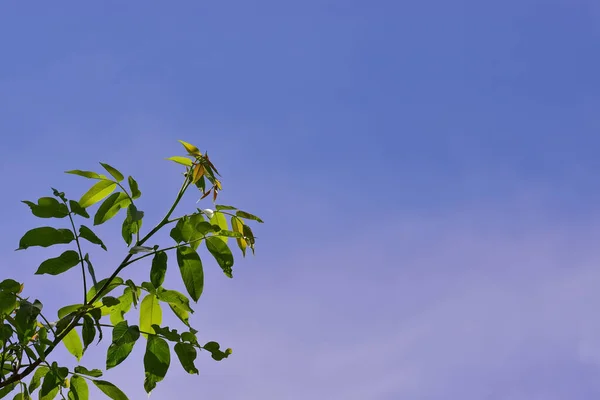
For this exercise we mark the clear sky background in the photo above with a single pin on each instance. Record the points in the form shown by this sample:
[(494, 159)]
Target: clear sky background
[(428, 173)]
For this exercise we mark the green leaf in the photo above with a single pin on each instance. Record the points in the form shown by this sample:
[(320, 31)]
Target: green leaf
[(117, 281), (132, 223), (7, 389), (90, 236), (181, 313), (159, 268), (110, 207), (175, 298), (124, 338), (10, 285), (150, 314), (110, 390), (50, 386), (219, 219), (181, 160), (221, 253), (97, 192), (237, 225), (191, 270), (156, 362), (8, 303), (25, 319), (190, 148), (224, 207), (119, 310), (60, 264), (66, 310), (94, 373), (78, 389), (109, 301), (113, 171), (167, 333), (45, 236), (39, 373), (213, 348), (186, 354), (189, 337), (135, 191), (88, 331), (249, 237), (90, 268), (244, 214), (72, 342), (77, 209), (48, 207), (86, 174)]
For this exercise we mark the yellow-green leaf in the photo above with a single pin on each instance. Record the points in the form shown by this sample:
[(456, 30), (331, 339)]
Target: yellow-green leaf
[(193, 150), (72, 342), (150, 313), (96, 193), (181, 160)]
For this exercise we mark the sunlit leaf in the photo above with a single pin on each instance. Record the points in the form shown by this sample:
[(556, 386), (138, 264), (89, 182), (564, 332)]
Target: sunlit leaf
[(156, 362), (117, 281), (113, 171), (45, 236), (66, 310), (78, 389), (86, 174), (190, 148), (36, 380), (90, 236), (97, 192), (150, 314), (173, 297), (181, 160), (181, 313), (237, 225), (72, 342), (219, 219), (60, 264), (123, 340), (48, 207), (191, 270), (197, 173)]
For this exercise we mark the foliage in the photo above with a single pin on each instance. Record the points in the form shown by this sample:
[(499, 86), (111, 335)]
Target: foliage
[(28, 337)]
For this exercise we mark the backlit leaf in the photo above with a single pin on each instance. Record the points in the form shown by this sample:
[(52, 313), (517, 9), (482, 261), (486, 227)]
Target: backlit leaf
[(114, 172), (181, 160), (97, 192), (175, 298), (78, 388), (45, 236), (60, 264), (86, 174), (150, 314), (114, 283), (219, 219), (190, 148), (36, 380), (237, 225), (72, 342), (110, 207)]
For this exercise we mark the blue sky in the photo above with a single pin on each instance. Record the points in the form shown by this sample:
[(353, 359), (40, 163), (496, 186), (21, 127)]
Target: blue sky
[(427, 171)]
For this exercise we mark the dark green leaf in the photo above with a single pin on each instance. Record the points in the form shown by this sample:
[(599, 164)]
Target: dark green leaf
[(135, 191), (186, 354), (60, 264), (77, 209), (94, 373), (191, 270), (159, 268), (109, 301), (249, 236), (113, 171), (97, 192), (50, 386), (10, 285), (90, 236), (66, 310), (48, 207), (64, 322), (36, 380), (244, 214), (204, 227), (7, 389), (181, 160), (88, 331), (8, 303), (110, 207), (78, 389), (60, 195), (25, 319), (110, 390), (124, 338), (45, 236), (216, 353), (150, 314), (167, 333), (86, 174), (221, 253), (90, 268), (189, 337), (156, 362)]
